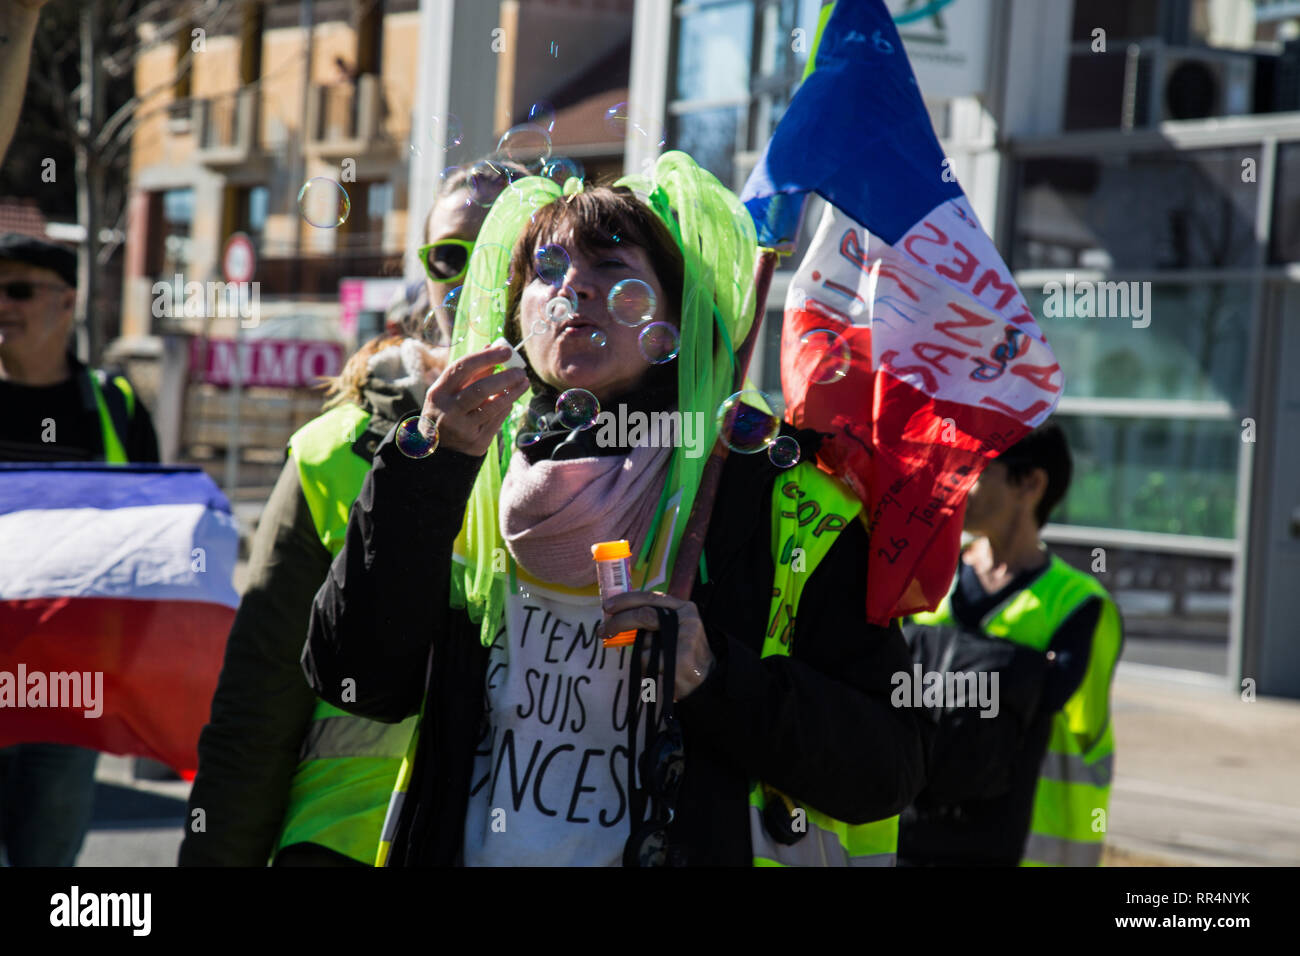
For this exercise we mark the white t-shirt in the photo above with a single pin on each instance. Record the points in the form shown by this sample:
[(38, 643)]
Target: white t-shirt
[(549, 786)]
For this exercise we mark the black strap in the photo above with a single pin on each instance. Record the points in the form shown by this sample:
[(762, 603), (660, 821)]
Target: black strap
[(663, 646)]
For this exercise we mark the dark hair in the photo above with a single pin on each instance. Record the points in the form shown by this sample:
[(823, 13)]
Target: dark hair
[(1045, 447), (602, 218), (483, 178)]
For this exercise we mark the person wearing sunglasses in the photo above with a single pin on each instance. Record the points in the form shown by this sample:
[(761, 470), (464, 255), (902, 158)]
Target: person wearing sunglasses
[(466, 193), (283, 777), (53, 408), (465, 592)]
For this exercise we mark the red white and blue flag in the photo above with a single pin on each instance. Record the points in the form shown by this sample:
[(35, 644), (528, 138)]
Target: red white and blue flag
[(116, 576), (905, 336)]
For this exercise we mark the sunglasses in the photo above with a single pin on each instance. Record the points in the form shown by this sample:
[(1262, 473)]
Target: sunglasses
[(447, 259), (22, 290)]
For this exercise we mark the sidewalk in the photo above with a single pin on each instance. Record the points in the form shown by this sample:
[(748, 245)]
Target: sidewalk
[(1201, 776)]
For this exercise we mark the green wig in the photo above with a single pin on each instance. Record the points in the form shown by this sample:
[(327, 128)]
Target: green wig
[(717, 241)]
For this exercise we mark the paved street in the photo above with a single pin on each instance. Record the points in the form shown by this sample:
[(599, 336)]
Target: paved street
[(1202, 778)]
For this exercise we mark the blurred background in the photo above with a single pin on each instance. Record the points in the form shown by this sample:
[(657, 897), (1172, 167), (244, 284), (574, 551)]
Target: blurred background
[(1138, 141)]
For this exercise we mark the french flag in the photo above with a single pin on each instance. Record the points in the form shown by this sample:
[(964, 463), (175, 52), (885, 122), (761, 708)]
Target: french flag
[(905, 336), (117, 578)]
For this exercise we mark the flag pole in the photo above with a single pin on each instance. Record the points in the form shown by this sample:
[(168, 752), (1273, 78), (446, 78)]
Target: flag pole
[(697, 527)]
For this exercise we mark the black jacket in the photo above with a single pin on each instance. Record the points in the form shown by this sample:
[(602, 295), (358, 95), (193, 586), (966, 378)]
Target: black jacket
[(249, 749), (817, 725)]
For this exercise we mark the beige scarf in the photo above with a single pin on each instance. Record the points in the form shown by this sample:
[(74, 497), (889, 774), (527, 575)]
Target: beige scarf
[(552, 512)]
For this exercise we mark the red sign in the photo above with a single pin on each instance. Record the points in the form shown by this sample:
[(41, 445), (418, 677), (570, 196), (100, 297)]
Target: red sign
[(239, 259), (273, 363)]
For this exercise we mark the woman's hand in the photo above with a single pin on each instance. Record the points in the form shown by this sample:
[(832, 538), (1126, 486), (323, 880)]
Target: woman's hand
[(634, 610), (470, 402)]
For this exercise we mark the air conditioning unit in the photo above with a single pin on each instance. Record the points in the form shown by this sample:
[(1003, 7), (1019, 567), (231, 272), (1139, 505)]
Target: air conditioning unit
[(1196, 84), (1150, 82)]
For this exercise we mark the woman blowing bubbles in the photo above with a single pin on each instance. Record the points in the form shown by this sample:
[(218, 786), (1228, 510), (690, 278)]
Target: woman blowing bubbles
[(466, 588)]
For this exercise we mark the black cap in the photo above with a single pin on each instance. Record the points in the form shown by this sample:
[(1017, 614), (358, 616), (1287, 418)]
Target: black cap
[(16, 247)]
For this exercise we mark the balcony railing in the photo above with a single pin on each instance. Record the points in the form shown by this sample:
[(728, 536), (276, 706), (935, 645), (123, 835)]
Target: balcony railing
[(227, 127), (347, 119)]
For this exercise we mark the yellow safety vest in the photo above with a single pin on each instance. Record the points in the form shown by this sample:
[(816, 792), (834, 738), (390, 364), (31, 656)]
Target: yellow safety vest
[(114, 446), (1073, 793), (809, 509), (347, 764)]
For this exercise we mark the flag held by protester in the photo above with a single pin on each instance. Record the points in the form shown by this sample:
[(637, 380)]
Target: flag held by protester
[(905, 336), (115, 587)]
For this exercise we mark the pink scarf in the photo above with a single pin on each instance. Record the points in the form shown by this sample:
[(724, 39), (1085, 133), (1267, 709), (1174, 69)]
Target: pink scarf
[(552, 512)]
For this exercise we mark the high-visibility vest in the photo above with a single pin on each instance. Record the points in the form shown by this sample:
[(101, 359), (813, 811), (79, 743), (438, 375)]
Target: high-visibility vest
[(809, 509), (1072, 797), (347, 764), (114, 444)]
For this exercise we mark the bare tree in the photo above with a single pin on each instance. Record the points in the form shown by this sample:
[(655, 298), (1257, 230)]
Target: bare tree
[(82, 94)]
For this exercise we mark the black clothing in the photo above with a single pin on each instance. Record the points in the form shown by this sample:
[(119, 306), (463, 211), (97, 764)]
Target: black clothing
[(817, 725), (991, 828), (61, 422), (249, 749)]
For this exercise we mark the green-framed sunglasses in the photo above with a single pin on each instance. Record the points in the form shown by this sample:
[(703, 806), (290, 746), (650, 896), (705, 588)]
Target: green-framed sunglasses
[(447, 259)]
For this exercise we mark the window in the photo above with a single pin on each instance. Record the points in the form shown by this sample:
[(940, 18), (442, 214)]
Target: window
[(250, 212), (1285, 241), (736, 66), (1164, 475), (1191, 344), (371, 203), (1175, 210), (172, 218)]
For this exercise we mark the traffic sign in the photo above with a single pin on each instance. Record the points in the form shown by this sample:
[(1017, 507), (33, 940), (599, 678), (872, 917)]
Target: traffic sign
[(239, 260)]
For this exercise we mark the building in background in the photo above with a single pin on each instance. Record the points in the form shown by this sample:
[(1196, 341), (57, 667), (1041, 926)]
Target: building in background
[(1146, 149), (1149, 147)]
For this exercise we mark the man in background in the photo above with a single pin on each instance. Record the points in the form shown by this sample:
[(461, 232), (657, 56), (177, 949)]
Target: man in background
[(55, 409), (1010, 587)]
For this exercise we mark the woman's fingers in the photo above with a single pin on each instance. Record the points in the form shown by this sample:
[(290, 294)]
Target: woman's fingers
[(470, 401), (473, 396), (469, 368)]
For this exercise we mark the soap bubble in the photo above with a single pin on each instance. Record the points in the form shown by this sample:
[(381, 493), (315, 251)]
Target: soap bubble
[(527, 145), (631, 303), (561, 169), (446, 129), (552, 264), (430, 330), (826, 353), (784, 451), (598, 338), (452, 299), (577, 408), (747, 422), (324, 203), (417, 437), (542, 114), (485, 180), (616, 119), (659, 343), (562, 307)]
